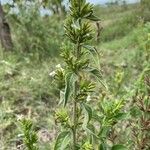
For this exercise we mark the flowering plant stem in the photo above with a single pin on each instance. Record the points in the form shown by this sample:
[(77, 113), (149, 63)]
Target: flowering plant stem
[(76, 88)]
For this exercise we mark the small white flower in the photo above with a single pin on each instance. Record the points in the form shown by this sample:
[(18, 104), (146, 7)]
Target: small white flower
[(88, 98), (20, 117), (20, 135), (59, 67), (52, 74)]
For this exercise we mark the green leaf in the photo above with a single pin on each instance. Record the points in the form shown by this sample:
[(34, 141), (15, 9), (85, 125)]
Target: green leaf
[(102, 146), (90, 129), (119, 147), (88, 114), (92, 49), (93, 18), (94, 52), (98, 75), (135, 112), (96, 117), (61, 97), (62, 141), (122, 116), (67, 87), (70, 80), (65, 142), (104, 132)]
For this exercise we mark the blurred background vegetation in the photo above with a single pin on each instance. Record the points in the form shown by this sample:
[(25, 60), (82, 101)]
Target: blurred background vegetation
[(36, 32)]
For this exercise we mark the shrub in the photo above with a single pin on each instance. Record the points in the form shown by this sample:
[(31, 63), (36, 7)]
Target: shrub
[(119, 28), (33, 32)]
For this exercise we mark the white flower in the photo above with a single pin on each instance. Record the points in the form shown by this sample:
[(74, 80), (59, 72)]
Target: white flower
[(52, 74), (88, 98), (20, 117), (59, 67)]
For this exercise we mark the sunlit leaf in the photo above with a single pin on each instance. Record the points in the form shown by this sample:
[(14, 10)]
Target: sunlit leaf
[(88, 114), (92, 49), (61, 97), (70, 80), (62, 141)]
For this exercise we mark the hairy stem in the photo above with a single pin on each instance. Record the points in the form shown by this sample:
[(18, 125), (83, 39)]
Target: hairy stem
[(74, 124), (75, 119)]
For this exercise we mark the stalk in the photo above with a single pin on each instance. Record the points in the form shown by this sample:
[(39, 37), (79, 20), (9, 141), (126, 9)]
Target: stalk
[(79, 33), (74, 124), (75, 119)]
